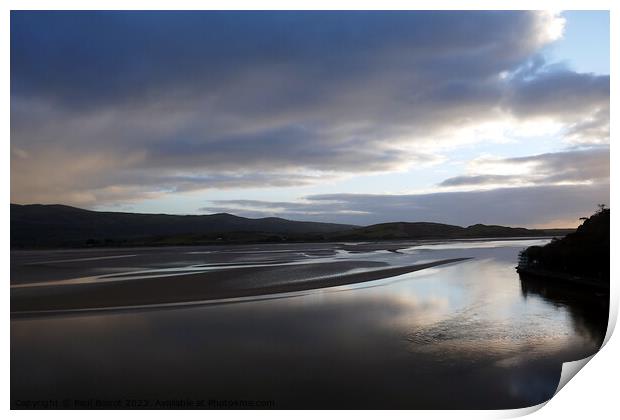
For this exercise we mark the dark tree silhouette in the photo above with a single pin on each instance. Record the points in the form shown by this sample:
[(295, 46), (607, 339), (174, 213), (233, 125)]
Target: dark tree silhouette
[(584, 253)]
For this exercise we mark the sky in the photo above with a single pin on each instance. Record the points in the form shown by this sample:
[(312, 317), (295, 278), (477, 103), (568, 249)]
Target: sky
[(460, 117)]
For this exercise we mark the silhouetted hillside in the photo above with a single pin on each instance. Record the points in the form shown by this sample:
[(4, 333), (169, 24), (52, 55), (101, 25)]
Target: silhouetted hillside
[(584, 253), (425, 230), (39, 225)]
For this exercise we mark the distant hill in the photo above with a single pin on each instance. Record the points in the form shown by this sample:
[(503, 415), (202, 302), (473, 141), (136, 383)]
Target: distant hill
[(582, 256), (48, 226), (426, 230), (38, 225)]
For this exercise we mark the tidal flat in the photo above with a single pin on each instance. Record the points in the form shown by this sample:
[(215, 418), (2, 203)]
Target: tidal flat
[(433, 324)]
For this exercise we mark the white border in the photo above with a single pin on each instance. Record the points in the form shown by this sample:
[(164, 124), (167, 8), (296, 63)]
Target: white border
[(591, 394)]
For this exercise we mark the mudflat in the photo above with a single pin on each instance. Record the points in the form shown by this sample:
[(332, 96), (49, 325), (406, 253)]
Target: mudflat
[(437, 338), (186, 286)]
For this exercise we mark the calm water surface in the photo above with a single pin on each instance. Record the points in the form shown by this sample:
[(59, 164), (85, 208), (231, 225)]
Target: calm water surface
[(465, 335)]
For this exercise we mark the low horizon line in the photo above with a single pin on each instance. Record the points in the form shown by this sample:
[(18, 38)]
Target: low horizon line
[(282, 218)]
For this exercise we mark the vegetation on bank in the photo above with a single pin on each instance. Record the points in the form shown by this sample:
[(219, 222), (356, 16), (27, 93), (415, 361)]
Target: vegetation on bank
[(583, 255)]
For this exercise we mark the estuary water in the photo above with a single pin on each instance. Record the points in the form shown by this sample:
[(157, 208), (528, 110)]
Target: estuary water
[(466, 334)]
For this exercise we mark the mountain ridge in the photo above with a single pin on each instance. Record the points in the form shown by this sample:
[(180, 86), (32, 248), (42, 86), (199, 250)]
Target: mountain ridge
[(58, 225)]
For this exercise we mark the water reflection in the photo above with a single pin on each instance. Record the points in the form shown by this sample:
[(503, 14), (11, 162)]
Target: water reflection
[(466, 335), (588, 309)]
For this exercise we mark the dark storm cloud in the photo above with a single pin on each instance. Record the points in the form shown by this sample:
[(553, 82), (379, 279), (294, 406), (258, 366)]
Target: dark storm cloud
[(158, 102), (526, 206), (85, 58)]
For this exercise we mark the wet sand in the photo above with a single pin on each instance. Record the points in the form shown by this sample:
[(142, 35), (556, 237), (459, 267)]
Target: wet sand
[(467, 335), (217, 284)]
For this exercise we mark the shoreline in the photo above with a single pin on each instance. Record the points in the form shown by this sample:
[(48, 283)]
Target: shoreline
[(185, 288), (234, 244), (562, 279)]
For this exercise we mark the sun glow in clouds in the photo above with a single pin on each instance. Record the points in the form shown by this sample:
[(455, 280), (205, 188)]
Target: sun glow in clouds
[(553, 27)]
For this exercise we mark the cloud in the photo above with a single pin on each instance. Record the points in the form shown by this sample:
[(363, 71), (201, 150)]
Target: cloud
[(303, 208), (139, 58), (90, 187), (569, 167), (590, 131), (470, 180), (522, 206), (152, 103), (561, 94)]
